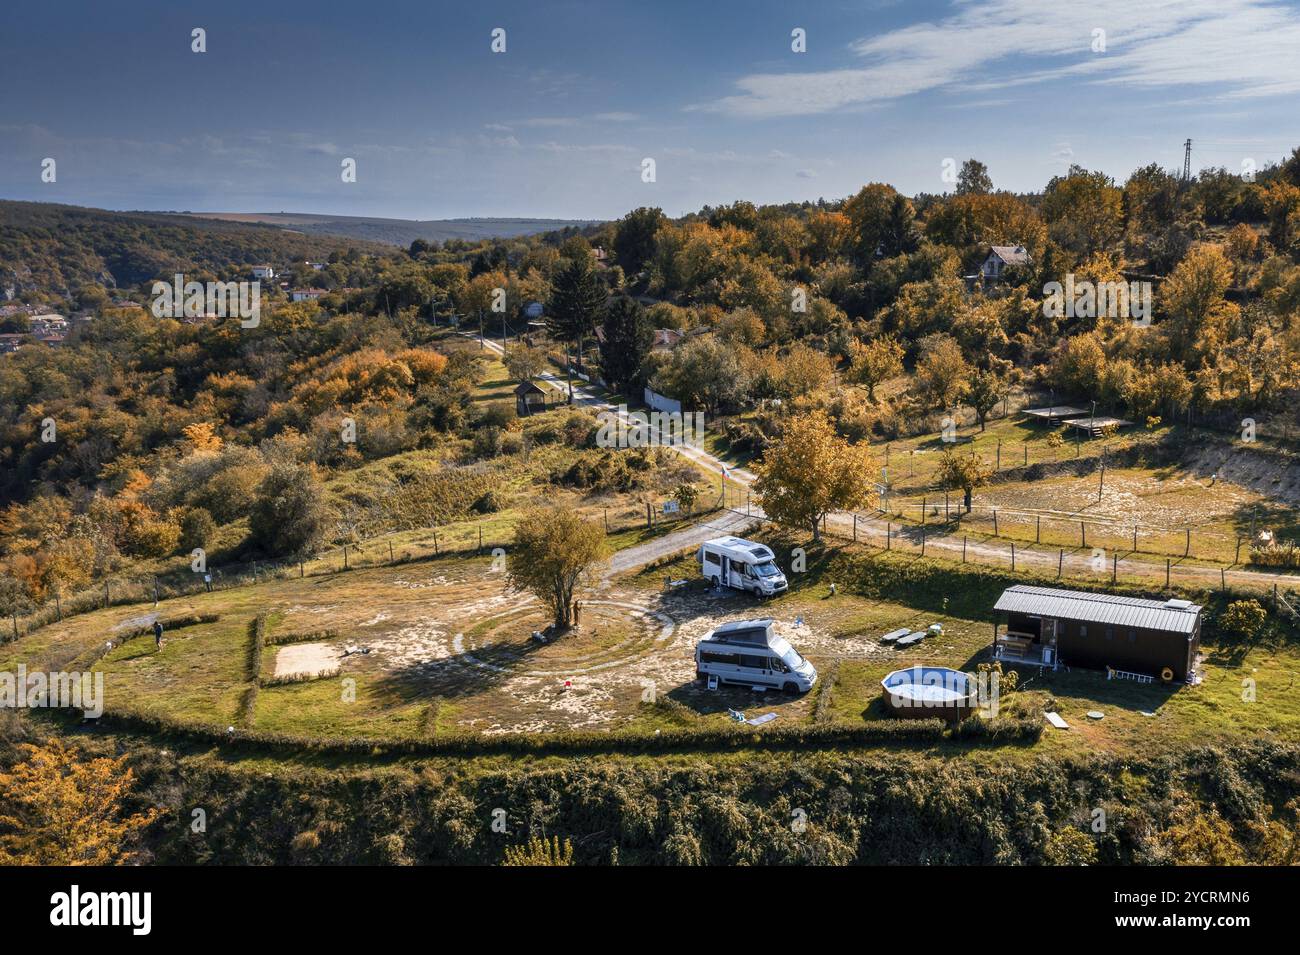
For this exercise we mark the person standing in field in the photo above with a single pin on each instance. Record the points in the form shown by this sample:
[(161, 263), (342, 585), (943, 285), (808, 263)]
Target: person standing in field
[(157, 634)]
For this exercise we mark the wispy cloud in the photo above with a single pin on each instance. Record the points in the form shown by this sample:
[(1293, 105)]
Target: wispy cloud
[(1245, 48)]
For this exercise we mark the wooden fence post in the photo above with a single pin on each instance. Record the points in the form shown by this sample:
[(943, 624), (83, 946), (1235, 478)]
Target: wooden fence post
[(1013, 558), (1114, 567), (1038, 529), (922, 542), (995, 522), (889, 534), (1167, 562), (1060, 562), (963, 548), (1187, 548)]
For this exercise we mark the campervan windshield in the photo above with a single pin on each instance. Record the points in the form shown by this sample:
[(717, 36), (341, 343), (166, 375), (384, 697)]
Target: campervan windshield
[(788, 654), (767, 570)]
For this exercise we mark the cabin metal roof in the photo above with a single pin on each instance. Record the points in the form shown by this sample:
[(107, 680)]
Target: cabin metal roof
[(1099, 608)]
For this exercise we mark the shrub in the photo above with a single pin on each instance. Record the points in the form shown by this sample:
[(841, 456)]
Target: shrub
[(288, 515), (537, 851), (197, 528), (1242, 618), (490, 502)]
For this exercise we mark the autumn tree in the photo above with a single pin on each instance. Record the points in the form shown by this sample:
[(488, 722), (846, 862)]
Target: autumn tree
[(1193, 297), (14, 599), (983, 392), (525, 362), (555, 551), (875, 362), (965, 471), (1084, 210), (56, 809), (812, 472), (804, 370), (941, 371)]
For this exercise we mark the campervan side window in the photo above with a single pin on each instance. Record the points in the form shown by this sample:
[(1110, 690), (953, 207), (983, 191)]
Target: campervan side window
[(711, 558), (758, 663), (707, 656)]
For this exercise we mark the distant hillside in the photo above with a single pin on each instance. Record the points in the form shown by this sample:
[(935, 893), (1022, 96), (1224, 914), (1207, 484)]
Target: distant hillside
[(57, 249), (400, 231)]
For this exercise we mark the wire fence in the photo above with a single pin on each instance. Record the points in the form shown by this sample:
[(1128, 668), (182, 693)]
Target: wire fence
[(467, 539)]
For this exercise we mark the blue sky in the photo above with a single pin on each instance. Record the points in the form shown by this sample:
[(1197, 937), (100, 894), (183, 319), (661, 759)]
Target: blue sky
[(558, 125)]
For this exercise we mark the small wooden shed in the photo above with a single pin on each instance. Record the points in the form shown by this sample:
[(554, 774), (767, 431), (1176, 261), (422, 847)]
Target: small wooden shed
[(529, 398)]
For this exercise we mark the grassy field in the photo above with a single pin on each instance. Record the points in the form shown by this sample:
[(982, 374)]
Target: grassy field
[(448, 651)]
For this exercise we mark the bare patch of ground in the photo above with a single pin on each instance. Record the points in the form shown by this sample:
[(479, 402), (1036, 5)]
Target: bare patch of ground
[(306, 659)]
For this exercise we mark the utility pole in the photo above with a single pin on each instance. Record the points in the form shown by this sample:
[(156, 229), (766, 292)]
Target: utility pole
[(1187, 161)]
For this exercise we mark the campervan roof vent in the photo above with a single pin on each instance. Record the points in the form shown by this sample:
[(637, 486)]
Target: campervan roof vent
[(1177, 604)]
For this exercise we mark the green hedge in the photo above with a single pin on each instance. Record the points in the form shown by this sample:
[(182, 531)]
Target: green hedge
[(830, 735)]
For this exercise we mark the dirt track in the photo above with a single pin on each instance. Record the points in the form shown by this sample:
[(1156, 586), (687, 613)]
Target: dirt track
[(1076, 563)]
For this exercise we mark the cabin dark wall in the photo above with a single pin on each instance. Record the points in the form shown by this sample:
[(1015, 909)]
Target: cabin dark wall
[(1125, 648)]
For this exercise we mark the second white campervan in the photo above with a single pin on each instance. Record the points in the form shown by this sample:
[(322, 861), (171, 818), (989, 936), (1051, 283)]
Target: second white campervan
[(741, 564), (750, 653)]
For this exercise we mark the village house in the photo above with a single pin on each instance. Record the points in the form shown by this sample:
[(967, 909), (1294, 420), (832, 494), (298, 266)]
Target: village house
[(263, 272), (306, 294), (1002, 257), (48, 324)]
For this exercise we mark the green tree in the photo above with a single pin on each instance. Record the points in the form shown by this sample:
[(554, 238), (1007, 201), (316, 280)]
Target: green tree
[(974, 179), (554, 551), (628, 338), (634, 238), (289, 515), (577, 297)]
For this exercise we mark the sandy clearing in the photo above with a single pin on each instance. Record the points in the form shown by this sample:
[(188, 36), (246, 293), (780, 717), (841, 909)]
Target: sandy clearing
[(306, 659)]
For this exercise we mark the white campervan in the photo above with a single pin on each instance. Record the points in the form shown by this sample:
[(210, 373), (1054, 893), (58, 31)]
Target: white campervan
[(744, 565), (750, 652)]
